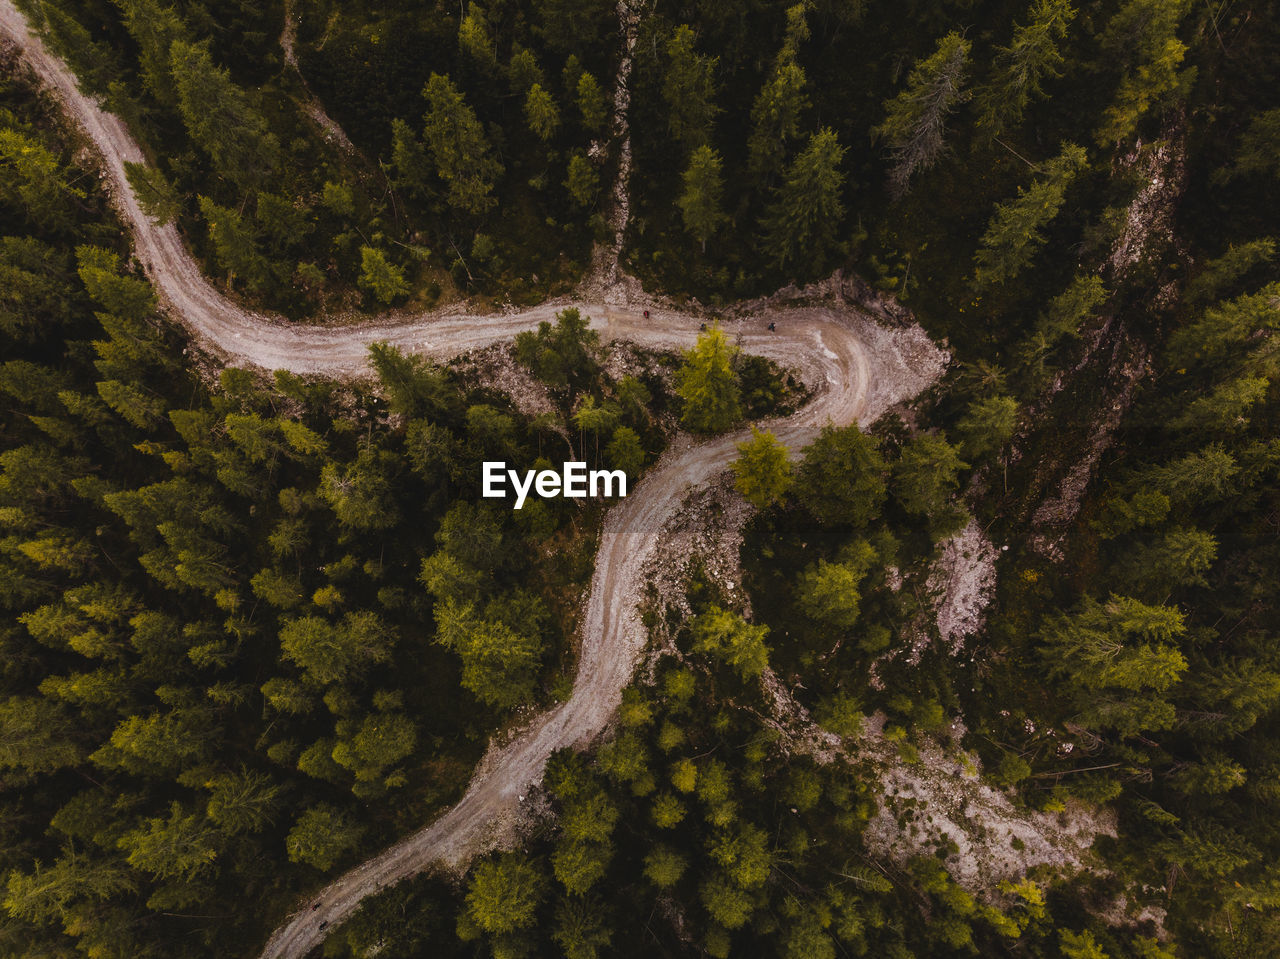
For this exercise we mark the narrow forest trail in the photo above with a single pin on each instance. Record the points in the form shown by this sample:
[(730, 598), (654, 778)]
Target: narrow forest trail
[(856, 369)]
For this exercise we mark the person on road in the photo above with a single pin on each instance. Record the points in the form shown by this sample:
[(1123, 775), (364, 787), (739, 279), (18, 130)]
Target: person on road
[(773, 327)]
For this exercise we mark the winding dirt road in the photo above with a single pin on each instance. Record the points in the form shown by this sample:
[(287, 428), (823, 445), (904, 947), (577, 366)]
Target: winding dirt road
[(855, 367)]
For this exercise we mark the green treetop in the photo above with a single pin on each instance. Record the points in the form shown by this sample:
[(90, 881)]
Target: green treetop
[(708, 386), (762, 472)]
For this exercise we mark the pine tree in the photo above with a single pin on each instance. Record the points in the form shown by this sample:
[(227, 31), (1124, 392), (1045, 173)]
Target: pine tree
[(700, 203), (35, 182), (988, 425), (731, 638), (1142, 35), (841, 477), (828, 593), (583, 181), (1031, 56), (775, 119), (457, 145), (1117, 663), (541, 113), (915, 123), (707, 384), (925, 477), (1013, 235), (624, 451), (334, 653), (322, 835), (220, 119), (805, 217), (380, 276), (762, 471), (504, 894), (155, 28), (498, 663), (235, 245), (156, 195), (689, 89), (473, 38), (360, 493), (1260, 146), (591, 103)]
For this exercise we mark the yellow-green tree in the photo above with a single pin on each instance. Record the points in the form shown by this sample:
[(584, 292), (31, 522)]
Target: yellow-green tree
[(708, 386), (762, 471)]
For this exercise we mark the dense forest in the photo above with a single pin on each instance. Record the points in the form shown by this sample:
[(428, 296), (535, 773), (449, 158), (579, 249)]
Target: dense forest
[(257, 627)]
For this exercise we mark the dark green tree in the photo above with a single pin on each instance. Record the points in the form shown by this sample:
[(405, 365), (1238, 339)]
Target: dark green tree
[(915, 123), (456, 142), (804, 219), (220, 119), (700, 202)]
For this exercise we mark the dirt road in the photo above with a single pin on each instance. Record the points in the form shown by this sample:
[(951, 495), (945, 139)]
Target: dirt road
[(855, 367)]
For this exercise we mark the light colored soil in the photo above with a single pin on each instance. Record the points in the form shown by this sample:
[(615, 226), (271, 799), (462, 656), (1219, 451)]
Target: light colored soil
[(855, 368), (311, 106), (940, 798), (963, 579)]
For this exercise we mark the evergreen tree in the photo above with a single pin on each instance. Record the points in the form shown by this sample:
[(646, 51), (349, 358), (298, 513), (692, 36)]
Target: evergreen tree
[(156, 195), (1032, 55), (729, 637), (235, 245), (925, 477), (380, 276), (34, 181), (707, 384), (155, 28), (498, 662), (841, 476), (221, 120), (504, 894), (322, 836), (762, 472), (700, 203), (1260, 146), (689, 88), (541, 112), (583, 181), (804, 219), (458, 147), (775, 119), (915, 123), (591, 103), (988, 425), (1014, 234), (828, 593)]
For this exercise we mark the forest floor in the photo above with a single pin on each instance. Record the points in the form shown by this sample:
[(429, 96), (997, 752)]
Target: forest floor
[(857, 368)]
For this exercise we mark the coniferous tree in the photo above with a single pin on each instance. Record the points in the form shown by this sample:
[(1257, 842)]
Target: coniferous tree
[(380, 276), (915, 123), (1013, 235), (841, 476), (700, 203), (689, 89), (762, 472), (775, 119), (220, 119), (458, 147), (708, 386), (541, 112), (1033, 55), (804, 219)]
